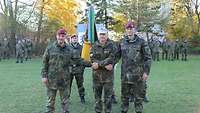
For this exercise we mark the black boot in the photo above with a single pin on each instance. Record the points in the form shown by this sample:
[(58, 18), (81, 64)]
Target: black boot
[(82, 99), (17, 61), (131, 99), (114, 100), (124, 112), (146, 99)]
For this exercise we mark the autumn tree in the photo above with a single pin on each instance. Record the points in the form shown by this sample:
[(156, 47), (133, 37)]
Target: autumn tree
[(63, 11)]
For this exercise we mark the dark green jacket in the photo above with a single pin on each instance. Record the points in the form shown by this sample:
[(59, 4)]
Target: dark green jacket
[(103, 55), (57, 63), (136, 59)]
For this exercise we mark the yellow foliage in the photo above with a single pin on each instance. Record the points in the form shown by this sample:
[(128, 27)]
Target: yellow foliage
[(63, 11), (121, 21), (179, 25)]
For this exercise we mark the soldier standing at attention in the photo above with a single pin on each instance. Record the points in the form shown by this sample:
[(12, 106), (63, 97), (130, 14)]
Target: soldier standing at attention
[(102, 58), (184, 50), (20, 49), (56, 72), (78, 67), (135, 68), (177, 50), (1, 49)]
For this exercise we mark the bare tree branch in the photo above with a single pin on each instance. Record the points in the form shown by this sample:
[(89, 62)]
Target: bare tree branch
[(26, 3), (31, 12), (2, 8)]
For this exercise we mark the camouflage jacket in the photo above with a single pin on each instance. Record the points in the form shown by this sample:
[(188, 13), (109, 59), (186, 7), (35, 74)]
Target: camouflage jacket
[(20, 48), (78, 63), (103, 55), (29, 45), (184, 46), (177, 46), (136, 59), (57, 65)]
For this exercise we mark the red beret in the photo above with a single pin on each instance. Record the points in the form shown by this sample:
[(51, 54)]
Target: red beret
[(130, 24), (61, 31)]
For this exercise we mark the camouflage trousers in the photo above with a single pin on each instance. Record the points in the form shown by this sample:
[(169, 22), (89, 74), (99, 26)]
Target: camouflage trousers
[(137, 90), (176, 55), (164, 55), (79, 81), (64, 96), (1, 54), (184, 55), (28, 54), (19, 57), (107, 89), (156, 56)]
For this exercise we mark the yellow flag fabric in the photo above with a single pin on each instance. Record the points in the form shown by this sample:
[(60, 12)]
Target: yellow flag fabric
[(86, 51)]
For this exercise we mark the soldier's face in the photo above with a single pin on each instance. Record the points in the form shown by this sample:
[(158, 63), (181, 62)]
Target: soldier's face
[(74, 39), (61, 39), (103, 38), (130, 31)]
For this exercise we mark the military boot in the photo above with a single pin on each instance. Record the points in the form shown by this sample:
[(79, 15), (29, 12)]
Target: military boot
[(131, 99), (82, 99), (114, 100), (124, 112), (146, 100)]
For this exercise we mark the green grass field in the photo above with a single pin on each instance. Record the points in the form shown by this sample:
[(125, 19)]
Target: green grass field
[(173, 87)]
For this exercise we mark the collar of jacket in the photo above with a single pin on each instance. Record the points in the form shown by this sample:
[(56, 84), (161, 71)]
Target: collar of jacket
[(107, 43), (132, 40), (57, 45), (75, 45)]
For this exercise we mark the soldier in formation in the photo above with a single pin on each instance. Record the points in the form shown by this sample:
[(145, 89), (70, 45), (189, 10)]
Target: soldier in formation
[(20, 49)]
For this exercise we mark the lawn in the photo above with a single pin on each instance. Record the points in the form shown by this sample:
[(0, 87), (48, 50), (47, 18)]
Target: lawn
[(173, 87)]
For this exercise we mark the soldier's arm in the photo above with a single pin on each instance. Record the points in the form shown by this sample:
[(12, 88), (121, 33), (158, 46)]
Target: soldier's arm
[(45, 66), (108, 60), (117, 53), (85, 63), (93, 57), (147, 57)]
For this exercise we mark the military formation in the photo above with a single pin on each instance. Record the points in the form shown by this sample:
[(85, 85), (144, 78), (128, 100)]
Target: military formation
[(24, 49), (168, 50), (4, 49)]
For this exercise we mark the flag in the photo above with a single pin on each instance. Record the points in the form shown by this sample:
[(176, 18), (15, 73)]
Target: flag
[(90, 35)]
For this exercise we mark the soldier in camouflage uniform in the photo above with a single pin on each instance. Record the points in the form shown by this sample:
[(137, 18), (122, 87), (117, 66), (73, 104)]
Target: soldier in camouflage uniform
[(6, 46), (20, 49), (78, 67), (102, 58), (184, 50), (135, 68), (156, 50), (1, 50), (177, 50), (55, 73), (171, 47), (165, 50), (28, 48), (151, 45)]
